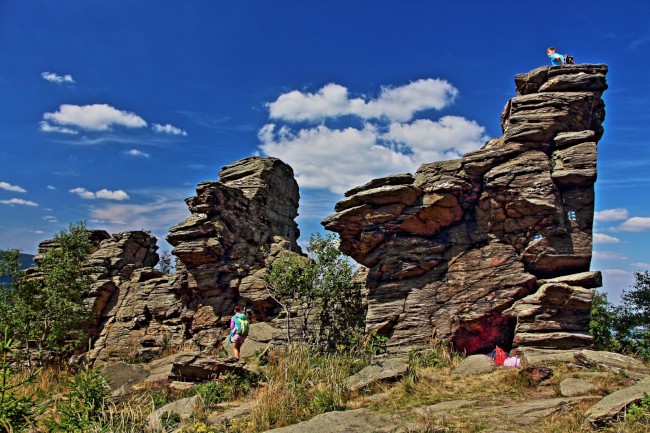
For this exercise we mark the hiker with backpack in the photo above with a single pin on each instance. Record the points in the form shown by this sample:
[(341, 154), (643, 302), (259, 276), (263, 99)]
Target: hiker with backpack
[(558, 59), (238, 330)]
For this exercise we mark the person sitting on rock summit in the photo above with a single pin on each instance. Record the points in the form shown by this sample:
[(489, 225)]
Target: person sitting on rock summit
[(556, 59)]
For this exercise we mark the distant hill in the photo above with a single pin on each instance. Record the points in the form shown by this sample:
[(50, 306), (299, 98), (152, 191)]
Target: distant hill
[(26, 260)]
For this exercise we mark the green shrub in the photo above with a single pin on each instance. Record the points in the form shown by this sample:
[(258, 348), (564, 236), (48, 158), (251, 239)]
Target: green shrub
[(16, 410), (87, 391)]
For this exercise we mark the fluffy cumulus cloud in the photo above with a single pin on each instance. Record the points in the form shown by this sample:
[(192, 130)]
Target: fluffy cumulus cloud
[(601, 238), (136, 152), (9, 187), (101, 194), (58, 79), (335, 159), (449, 137), (360, 138), (167, 129), (46, 127), (19, 201), (94, 117), (635, 224), (394, 103), (617, 214)]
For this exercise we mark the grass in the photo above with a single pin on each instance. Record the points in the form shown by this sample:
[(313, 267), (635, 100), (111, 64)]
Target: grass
[(299, 384)]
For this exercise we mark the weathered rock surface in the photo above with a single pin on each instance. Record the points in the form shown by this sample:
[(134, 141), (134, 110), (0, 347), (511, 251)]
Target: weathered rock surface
[(571, 387), (475, 364), (610, 361), (533, 411), (190, 366), (237, 226), (350, 421), (494, 247), (184, 407), (386, 370), (609, 408)]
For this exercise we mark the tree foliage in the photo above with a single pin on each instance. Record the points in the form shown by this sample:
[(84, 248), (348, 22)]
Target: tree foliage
[(46, 307), (624, 328), (319, 290)]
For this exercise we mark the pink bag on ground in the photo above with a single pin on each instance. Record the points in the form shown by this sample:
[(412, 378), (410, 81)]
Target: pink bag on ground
[(513, 361)]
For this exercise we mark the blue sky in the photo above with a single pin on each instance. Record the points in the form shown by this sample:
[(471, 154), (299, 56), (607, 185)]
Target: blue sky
[(112, 111)]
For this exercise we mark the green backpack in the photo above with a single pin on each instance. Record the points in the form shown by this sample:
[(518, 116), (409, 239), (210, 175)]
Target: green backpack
[(241, 325)]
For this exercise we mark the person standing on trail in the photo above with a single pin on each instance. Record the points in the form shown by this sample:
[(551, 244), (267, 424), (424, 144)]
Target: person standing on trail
[(556, 59), (238, 330)]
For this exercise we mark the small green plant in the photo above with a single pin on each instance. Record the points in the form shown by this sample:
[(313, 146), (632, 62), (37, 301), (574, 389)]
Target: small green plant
[(228, 387), (639, 412), (16, 410), (170, 420), (87, 391)]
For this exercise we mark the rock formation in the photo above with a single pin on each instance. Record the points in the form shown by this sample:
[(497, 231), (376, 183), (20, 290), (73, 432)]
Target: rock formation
[(221, 262), (481, 251)]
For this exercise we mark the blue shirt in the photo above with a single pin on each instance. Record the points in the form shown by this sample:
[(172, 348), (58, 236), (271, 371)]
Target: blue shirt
[(557, 59)]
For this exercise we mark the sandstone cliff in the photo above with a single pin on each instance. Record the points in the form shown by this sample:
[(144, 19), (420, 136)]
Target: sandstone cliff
[(495, 247)]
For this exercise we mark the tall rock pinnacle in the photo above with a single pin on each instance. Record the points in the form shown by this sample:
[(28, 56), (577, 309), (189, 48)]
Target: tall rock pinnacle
[(493, 248)]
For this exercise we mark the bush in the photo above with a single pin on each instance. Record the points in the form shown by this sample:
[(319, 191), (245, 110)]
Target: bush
[(87, 391)]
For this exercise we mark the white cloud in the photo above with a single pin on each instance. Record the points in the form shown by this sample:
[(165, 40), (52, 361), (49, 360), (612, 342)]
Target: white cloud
[(102, 193), (641, 265), (448, 138), (608, 255), (9, 187), (46, 127), (55, 78), (388, 142), (95, 117), (635, 224), (136, 152), (600, 238), (611, 215), (51, 219), (18, 201), (38, 232), (395, 103), (167, 129), (616, 273), (51, 188), (159, 214), (331, 158)]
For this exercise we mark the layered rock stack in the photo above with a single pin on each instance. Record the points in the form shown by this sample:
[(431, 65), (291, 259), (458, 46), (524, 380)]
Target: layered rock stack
[(237, 225), (493, 248)]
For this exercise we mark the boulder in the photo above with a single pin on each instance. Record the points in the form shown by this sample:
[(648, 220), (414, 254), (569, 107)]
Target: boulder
[(386, 370), (571, 387), (184, 408), (475, 364)]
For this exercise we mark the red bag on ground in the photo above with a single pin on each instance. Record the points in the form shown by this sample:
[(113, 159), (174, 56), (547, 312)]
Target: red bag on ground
[(498, 355)]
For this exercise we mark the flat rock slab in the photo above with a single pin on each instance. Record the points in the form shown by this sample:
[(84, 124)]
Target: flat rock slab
[(532, 411), (610, 360), (386, 370), (351, 421), (190, 366), (574, 387), (122, 376), (219, 418), (535, 356), (184, 407), (444, 406), (609, 408), (475, 364)]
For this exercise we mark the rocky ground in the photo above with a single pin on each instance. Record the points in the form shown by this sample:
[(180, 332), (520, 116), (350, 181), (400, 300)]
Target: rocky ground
[(554, 390)]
